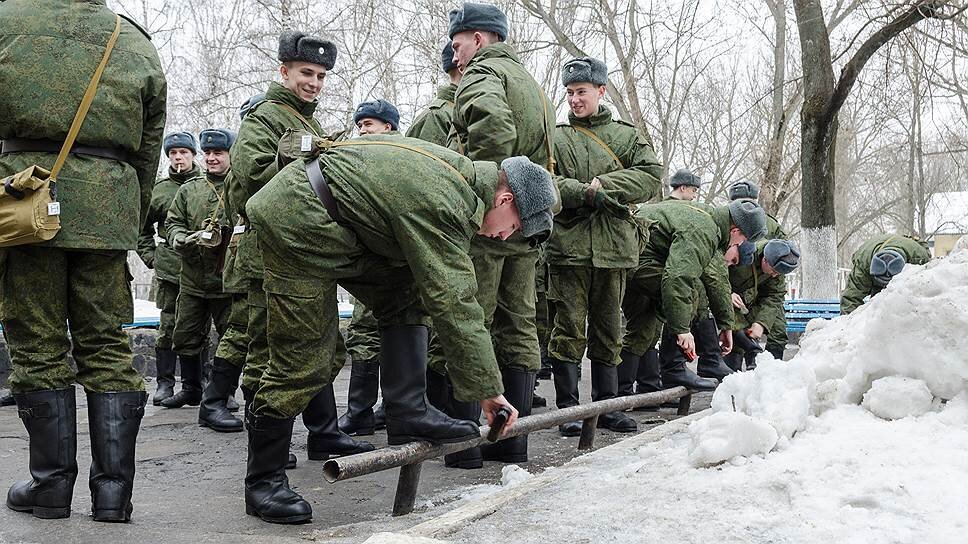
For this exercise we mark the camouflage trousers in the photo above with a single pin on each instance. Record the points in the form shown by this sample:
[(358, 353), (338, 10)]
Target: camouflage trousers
[(46, 293), (363, 335), (585, 295), (257, 351), (194, 316), (166, 297), (641, 305), (234, 342)]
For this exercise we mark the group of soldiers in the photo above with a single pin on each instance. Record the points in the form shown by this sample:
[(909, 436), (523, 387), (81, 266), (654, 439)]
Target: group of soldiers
[(456, 241)]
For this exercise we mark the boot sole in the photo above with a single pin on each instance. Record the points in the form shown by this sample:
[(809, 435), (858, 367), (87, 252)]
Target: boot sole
[(112, 516), (399, 440), (465, 466), (326, 456), (220, 429), (288, 520), (43, 512), (618, 430), (508, 459), (569, 434)]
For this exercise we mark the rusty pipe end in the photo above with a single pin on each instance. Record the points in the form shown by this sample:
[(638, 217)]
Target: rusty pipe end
[(332, 471)]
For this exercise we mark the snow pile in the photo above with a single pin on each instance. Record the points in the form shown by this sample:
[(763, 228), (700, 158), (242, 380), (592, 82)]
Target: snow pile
[(895, 397), (913, 332), (512, 475), (725, 435)]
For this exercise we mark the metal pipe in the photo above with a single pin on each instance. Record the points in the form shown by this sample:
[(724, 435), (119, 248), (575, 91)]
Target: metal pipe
[(586, 440), (406, 495), (352, 466)]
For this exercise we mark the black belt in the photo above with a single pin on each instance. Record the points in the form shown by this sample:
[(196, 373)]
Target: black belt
[(318, 182), (29, 145)]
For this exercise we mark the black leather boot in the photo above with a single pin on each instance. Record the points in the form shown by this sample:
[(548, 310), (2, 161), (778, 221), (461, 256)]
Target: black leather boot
[(628, 369), (50, 418), (231, 404), (165, 370), (711, 363), (750, 360), (440, 394), (566, 392), (326, 440), (248, 395), (213, 411), (604, 387), (191, 389), (267, 492), (115, 419), (648, 378), (6, 399), (364, 387), (409, 416), (674, 371), (537, 401), (518, 388), (734, 360)]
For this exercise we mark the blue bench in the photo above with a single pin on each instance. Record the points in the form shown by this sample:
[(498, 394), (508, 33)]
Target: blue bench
[(799, 312)]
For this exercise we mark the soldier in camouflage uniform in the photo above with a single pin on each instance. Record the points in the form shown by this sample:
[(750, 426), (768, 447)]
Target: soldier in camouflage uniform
[(758, 293), (433, 125), (685, 251), (363, 333), (194, 226), (78, 282), (500, 111), (876, 262), (180, 148), (305, 61), (399, 244), (606, 165)]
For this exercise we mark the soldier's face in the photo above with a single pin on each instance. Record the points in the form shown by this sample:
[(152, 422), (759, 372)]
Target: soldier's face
[(736, 237), (686, 192), (181, 159), (466, 44), (217, 161), (503, 219), (583, 98), (368, 125), (305, 79), (768, 270)]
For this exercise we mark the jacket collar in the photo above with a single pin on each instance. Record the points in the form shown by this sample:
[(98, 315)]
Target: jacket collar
[(601, 117), (182, 177), (494, 51), (447, 92), (278, 93)]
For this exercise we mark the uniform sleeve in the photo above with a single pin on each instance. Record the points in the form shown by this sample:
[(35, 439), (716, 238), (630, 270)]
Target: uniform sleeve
[(444, 274), (641, 181), (859, 285), (177, 222), (145, 161), (253, 159), (146, 240), (572, 190), (683, 270), (767, 309), (483, 106), (715, 279)]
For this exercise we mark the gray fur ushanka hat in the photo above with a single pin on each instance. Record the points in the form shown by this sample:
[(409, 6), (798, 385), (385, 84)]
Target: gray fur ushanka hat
[(584, 70), (299, 46), (534, 194)]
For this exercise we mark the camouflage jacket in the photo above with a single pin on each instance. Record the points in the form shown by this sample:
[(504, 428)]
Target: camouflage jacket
[(425, 219), (162, 257), (195, 202), (773, 229), (763, 294), (254, 161), (49, 50), (628, 170), (500, 111), (433, 124), (860, 284), (687, 240)]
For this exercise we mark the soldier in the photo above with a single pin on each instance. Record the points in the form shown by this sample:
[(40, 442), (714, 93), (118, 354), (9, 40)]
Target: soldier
[(685, 186), (433, 125), (180, 148), (305, 61), (399, 244), (876, 262), (77, 284), (363, 333), (606, 165), (194, 225), (758, 293), (500, 111), (683, 249)]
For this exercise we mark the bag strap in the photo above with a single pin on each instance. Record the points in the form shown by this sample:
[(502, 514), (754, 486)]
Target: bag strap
[(85, 103), (293, 111), (600, 142), (213, 217)]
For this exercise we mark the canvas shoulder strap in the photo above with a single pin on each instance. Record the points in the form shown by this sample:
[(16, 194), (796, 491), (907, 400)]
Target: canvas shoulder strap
[(327, 144), (600, 142), (298, 115)]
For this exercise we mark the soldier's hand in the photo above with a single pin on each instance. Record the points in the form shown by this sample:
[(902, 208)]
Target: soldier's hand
[(756, 331), (686, 342), (178, 242), (597, 198), (492, 405), (738, 302), (726, 342)]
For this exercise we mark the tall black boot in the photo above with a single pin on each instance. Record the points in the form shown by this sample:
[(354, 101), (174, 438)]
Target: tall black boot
[(403, 350), (567, 375), (628, 369), (191, 389), (213, 411), (648, 378), (248, 395), (734, 360), (165, 370), (440, 394), (326, 440), (115, 419), (267, 492), (518, 388), (711, 363), (50, 418), (364, 386), (604, 387), (673, 367)]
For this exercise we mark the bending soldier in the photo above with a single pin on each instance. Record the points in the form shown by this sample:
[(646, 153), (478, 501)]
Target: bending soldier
[(875, 263)]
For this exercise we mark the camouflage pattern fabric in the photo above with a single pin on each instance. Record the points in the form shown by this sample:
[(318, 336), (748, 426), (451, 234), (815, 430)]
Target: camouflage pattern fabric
[(162, 257), (193, 321), (433, 125), (860, 284), (234, 342), (762, 294), (166, 296), (192, 207), (257, 352), (581, 293), (363, 335), (404, 248), (89, 289)]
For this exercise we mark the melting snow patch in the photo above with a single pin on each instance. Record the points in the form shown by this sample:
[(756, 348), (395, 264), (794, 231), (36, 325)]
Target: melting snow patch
[(896, 397), (725, 435)]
